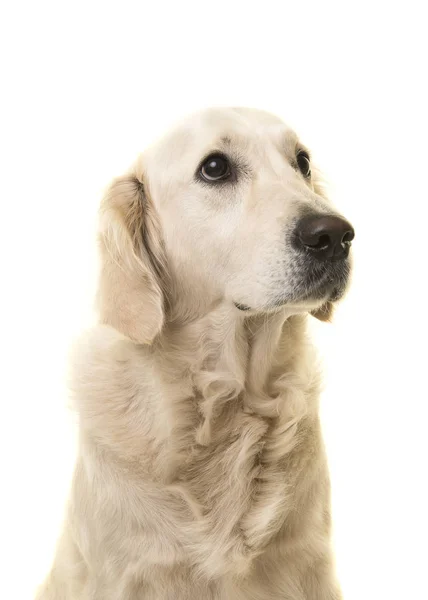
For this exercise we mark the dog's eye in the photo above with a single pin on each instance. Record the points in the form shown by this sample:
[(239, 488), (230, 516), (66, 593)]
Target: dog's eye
[(304, 163), (215, 167)]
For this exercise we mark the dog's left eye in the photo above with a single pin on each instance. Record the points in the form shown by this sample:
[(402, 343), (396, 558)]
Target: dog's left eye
[(215, 168), (304, 163)]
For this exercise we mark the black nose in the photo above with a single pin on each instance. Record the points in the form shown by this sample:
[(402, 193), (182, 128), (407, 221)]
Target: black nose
[(326, 237)]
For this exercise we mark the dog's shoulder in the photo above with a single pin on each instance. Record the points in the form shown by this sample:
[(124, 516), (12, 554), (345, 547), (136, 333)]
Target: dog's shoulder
[(113, 390), (100, 348), (104, 364)]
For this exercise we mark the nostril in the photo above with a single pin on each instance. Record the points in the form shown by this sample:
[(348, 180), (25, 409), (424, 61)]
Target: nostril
[(348, 237), (323, 242), (317, 241)]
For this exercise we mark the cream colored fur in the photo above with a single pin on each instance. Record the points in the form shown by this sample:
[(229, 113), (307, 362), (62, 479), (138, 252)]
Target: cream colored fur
[(201, 472)]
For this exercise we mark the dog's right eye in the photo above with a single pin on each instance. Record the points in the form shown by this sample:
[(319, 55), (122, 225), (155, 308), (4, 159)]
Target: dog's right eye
[(215, 168)]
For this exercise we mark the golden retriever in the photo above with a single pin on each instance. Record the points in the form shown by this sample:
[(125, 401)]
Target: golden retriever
[(201, 472)]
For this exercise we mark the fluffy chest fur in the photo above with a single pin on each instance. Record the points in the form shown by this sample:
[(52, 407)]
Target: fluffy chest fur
[(206, 464)]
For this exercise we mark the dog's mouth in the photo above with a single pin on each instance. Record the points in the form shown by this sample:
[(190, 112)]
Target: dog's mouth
[(324, 283), (318, 285)]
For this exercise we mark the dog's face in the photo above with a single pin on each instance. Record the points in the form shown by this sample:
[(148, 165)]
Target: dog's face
[(241, 217), (234, 191)]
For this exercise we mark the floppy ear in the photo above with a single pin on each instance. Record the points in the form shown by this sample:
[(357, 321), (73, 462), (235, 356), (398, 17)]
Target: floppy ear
[(130, 295), (324, 312)]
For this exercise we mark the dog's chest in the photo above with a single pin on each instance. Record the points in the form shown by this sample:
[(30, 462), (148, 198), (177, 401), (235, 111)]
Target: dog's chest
[(239, 486)]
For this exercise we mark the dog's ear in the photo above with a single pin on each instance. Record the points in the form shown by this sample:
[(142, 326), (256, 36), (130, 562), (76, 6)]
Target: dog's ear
[(130, 294), (324, 313)]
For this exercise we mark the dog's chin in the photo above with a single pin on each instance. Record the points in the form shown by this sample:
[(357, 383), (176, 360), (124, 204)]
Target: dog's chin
[(315, 299)]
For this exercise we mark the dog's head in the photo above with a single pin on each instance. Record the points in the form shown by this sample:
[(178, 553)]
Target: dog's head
[(226, 208)]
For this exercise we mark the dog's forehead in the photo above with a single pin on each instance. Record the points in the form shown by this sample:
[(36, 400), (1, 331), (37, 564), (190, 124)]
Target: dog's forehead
[(240, 125), (201, 132)]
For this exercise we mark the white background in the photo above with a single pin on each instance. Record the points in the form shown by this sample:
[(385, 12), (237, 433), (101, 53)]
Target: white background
[(85, 87)]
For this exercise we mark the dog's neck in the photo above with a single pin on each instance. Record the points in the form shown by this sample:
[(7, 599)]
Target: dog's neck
[(225, 357)]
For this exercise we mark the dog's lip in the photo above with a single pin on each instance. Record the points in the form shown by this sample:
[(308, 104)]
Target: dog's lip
[(328, 282), (328, 293), (327, 290)]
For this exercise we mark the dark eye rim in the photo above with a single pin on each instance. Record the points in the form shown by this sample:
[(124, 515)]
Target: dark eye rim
[(206, 178), (302, 154)]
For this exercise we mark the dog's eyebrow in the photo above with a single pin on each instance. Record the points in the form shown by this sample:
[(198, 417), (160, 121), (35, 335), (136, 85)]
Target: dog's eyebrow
[(302, 148), (291, 144), (233, 143), (226, 140)]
